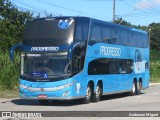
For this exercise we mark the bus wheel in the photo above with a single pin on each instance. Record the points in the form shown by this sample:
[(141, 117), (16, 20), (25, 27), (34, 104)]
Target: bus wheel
[(88, 95), (133, 92), (43, 102), (138, 88), (97, 94)]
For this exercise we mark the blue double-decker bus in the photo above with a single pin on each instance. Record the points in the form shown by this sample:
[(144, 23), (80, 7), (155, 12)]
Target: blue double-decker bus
[(64, 58)]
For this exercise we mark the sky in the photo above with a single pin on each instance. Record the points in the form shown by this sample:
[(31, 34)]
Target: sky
[(137, 12)]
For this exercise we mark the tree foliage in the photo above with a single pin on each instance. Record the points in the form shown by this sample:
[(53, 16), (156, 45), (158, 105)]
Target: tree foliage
[(155, 35), (123, 22), (12, 24)]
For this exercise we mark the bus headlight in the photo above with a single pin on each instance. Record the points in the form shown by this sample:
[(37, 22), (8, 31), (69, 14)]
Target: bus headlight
[(65, 85), (23, 86)]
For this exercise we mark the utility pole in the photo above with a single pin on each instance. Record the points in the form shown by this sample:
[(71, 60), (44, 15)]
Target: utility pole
[(149, 33), (114, 7)]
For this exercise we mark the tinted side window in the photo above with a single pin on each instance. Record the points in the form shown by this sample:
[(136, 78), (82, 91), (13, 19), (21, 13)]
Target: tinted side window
[(142, 40), (98, 66), (123, 37), (78, 33), (110, 66), (145, 40), (96, 34), (125, 66), (118, 35), (133, 39), (85, 29), (138, 39), (107, 34), (115, 35), (81, 32)]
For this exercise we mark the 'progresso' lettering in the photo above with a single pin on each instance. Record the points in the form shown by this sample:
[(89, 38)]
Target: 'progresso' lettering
[(110, 51), (44, 48)]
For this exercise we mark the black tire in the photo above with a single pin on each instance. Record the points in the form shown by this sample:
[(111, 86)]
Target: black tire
[(88, 96), (138, 88), (97, 94), (43, 102), (133, 91)]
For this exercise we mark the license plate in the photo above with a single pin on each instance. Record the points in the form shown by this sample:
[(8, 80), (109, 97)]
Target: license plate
[(42, 96)]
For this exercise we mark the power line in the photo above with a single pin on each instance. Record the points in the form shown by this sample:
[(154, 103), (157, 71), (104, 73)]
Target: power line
[(147, 7), (133, 13), (141, 13), (29, 6), (35, 10), (45, 12), (72, 10), (59, 6)]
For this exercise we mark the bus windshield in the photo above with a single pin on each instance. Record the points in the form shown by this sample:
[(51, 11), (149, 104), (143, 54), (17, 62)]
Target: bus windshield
[(44, 65), (49, 32)]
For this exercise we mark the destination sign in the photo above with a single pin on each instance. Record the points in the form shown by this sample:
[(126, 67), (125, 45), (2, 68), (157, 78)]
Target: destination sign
[(45, 49)]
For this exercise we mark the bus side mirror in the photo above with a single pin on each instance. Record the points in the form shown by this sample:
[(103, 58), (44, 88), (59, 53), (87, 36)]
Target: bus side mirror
[(13, 49), (75, 45)]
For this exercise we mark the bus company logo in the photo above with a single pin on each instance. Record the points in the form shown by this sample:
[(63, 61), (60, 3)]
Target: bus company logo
[(139, 64), (110, 51), (64, 24), (6, 115), (42, 89), (44, 48)]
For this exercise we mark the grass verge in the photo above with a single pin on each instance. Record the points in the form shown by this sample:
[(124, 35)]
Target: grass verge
[(9, 94)]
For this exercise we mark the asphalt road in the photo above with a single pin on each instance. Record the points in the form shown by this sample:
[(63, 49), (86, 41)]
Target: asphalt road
[(148, 100)]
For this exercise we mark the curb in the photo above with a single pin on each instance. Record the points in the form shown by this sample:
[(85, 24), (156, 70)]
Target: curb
[(154, 84)]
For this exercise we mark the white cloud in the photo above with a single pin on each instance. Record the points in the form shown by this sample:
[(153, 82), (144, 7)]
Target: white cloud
[(147, 4)]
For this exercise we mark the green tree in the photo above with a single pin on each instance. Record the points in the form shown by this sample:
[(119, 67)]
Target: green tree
[(12, 24), (155, 35), (123, 22)]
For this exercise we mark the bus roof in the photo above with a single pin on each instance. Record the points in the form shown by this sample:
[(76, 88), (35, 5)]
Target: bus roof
[(93, 20), (118, 25)]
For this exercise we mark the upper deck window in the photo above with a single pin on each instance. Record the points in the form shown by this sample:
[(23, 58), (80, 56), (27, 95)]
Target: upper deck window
[(49, 32), (81, 30), (96, 33)]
